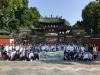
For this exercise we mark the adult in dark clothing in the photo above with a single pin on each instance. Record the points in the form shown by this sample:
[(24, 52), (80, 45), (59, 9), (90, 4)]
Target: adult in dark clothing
[(17, 56), (66, 55), (90, 48), (36, 55), (5, 56), (27, 55), (22, 56)]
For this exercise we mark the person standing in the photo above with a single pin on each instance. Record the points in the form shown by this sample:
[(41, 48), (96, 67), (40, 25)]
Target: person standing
[(17, 55), (95, 52), (90, 48), (36, 55)]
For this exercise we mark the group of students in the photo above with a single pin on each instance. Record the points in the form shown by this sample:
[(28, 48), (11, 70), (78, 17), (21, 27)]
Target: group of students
[(86, 52), (16, 52), (30, 52)]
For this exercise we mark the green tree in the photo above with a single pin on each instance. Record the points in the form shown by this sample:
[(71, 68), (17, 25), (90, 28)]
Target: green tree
[(17, 11), (91, 17), (34, 15), (1, 21), (27, 16), (13, 25), (79, 24)]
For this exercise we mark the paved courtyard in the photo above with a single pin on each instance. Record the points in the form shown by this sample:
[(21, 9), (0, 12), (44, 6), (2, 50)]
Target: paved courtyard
[(49, 68)]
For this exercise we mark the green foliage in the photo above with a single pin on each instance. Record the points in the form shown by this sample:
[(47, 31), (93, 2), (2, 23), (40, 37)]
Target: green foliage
[(91, 17), (16, 13), (79, 24), (13, 25), (34, 15)]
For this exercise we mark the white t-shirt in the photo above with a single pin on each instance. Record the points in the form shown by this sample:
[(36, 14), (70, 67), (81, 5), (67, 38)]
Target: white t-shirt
[(78, 48), (82, 49), (17, 47), (90, 55), (22, 53), (85, 56), (59, 47), (6, 48), (31, 55), (43, 47), (12, 54), (21, 48), (95, 52), (71, 48), (10, 47)]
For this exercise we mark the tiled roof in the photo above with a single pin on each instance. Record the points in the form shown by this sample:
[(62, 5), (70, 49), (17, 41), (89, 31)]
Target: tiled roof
[(51, 20)]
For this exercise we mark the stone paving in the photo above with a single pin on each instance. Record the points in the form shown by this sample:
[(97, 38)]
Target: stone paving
[(49, 68)]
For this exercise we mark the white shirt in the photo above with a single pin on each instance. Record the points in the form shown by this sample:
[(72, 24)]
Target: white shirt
[(78, 48), (21, 48), (10, 47), (22, 53), (95, 51), (71, 48), (82, 49), (17, 47), (90, 55), (59, 47), (12, 54), (85, 56), (6, 48), (31, 55), (43, 47)]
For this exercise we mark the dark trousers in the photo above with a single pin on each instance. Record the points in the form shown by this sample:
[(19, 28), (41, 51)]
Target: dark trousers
[(36, 56), (94, 57)]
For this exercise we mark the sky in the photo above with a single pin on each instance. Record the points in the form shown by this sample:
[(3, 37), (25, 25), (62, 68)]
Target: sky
[(70, 10)]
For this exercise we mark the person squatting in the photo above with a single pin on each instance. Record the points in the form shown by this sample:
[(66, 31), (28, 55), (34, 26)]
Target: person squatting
[(30, 52), (81, 52), (19, 53)]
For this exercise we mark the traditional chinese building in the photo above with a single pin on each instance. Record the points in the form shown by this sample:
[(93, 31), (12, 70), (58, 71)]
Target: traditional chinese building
[(52, 29)]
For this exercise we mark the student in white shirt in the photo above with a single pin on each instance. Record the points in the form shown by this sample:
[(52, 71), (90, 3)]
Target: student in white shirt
[(95, 52), (31, 56), (82, 49), (12, 54), (6, 48), (90, 56), (86, 56), (17, 47)]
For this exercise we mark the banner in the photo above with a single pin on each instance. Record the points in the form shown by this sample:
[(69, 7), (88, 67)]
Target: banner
[(58, 55)]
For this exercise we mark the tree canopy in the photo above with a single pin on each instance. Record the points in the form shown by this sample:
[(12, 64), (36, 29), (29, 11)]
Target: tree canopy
[(90, 18), (16, 13)]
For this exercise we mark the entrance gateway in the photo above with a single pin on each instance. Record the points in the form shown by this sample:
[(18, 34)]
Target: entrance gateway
[(52, 29)]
